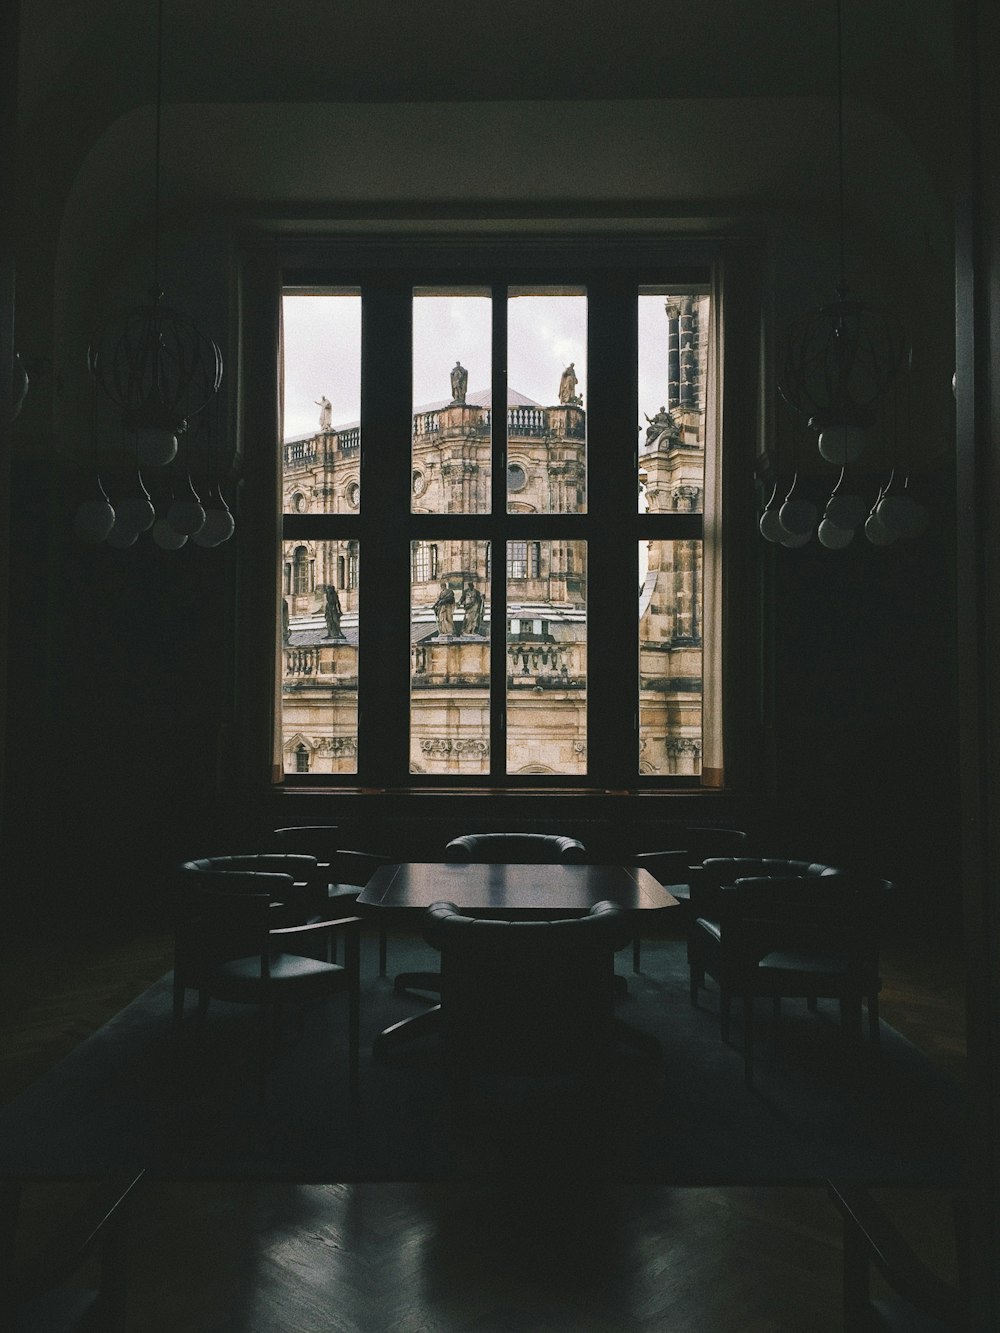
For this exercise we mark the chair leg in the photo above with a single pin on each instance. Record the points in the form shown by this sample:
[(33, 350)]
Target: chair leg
[(352, 963), (748, 1040), (636, 950), (850, 1022), (383, 952), (725, 1011), (178, 999), (697, 978), (874, 1027)]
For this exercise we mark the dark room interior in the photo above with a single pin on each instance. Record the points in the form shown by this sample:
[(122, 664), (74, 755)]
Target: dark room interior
[(730, 159)]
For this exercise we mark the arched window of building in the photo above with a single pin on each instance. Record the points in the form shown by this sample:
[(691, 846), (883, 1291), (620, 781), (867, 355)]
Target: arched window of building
[(301, 570), (524, 560), (352, 564), (301, 758), (341, 572)]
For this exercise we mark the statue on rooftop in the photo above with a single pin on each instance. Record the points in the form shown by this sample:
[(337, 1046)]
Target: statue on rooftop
[(659, 423), (444, 609), (459, 382), (325, 412), (332, 612), (474, 604), (567, 385)]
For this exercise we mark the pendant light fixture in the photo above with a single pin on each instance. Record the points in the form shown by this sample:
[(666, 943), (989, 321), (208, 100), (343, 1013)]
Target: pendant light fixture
[(161, 372), (841, 361)]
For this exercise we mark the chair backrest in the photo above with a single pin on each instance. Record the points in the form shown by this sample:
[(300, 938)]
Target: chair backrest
[(225, 915), (527, 994), (825, 914), (702, 841), (516, 849), (719, 871), (319, 840), (287, 878)]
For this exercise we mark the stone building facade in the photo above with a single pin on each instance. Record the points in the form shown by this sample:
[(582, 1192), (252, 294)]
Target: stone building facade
[(546, 582)]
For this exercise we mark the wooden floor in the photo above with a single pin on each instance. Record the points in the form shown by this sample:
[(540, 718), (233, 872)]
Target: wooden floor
[(419, 1258)]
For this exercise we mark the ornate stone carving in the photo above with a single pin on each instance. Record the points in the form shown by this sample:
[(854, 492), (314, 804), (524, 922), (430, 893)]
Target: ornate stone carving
[(477, 748)]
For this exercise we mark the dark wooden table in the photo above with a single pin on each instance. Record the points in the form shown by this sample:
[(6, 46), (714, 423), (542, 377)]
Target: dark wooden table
[(400, 894)]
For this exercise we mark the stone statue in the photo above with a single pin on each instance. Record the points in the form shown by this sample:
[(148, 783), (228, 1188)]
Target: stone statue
[(459, 382), (325, 412), (474, 604), (444, 609), (567, 385), (286, 632), (659, 423), (332, 611)]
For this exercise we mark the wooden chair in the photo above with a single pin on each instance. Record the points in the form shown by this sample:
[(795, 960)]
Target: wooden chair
[(689, 846), (559, 1017), (52, 1287), (706, 884), (228, 947), (340, 874), (494, 849), (810, 937), (915, 1298)]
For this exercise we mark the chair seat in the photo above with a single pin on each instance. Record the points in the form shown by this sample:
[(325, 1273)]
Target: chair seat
[(291, 978), (833, 964), (710, 927)]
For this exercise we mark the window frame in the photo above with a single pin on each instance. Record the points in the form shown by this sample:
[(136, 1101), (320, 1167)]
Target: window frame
[(616, 266)]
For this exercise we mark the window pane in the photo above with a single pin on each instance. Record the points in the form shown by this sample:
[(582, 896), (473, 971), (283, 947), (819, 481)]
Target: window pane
[(451, 434), (321, 375), (319, 657), (546, 383), (547, 657), (673, 343), (449, 657), (670, 657)]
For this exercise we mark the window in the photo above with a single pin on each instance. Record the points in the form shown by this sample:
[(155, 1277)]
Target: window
[(430, 662)]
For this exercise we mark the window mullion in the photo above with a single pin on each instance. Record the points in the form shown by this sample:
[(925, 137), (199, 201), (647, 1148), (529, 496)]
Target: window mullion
[(497, 537), (384, 648), (612, 565)]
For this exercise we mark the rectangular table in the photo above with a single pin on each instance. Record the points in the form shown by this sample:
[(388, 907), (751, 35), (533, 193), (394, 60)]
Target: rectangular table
[(400, 894), (521, 891)]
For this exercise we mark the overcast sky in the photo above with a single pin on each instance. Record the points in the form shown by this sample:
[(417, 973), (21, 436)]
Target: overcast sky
[(322, 336)]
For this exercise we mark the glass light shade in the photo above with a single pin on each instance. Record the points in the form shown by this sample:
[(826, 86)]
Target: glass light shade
[(841, 444), (902, 515), (93, 520), (122, 536), (136, 511), (155, 446), (770, 525), (798, 517), (876, 531), (845, 511), (186, 517), (917, 518), (797, 539), (218, 527), (833, 537), (166, 538)]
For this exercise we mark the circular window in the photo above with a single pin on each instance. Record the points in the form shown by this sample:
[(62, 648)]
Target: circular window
[(353, 494), (517, 478), (419, 483)]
